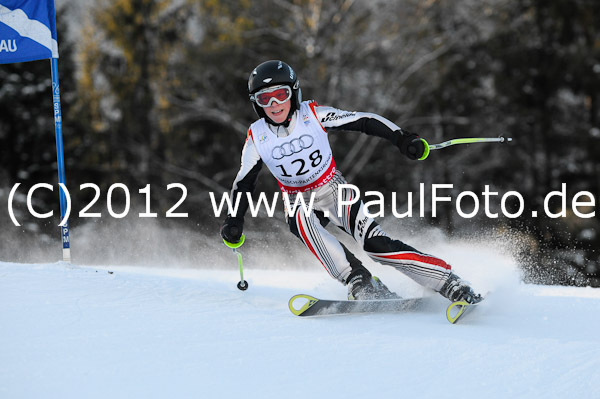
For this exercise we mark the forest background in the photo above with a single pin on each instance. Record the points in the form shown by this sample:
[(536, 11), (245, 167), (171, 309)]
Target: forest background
[(155, 92)]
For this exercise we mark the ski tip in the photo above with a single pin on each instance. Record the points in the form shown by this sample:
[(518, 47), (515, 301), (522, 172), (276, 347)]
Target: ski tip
[(303, 301), (453, 314)]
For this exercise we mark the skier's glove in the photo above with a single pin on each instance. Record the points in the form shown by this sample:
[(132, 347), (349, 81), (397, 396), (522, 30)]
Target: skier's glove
[(232, 229), (410, 144)]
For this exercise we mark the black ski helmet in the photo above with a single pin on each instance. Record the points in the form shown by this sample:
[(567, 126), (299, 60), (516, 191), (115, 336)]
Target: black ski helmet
[(271, 73)]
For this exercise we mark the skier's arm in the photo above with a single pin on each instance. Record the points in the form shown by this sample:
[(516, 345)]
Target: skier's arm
[(245, 182), (409, 143)]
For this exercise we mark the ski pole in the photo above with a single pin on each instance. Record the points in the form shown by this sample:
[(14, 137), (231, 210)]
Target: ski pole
[(243, 284), (431, 147)]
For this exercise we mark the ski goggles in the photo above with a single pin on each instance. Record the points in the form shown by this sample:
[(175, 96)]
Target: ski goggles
[(265, 97)]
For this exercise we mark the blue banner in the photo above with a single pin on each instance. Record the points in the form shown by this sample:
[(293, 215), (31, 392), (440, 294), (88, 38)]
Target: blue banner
[(27, 30)]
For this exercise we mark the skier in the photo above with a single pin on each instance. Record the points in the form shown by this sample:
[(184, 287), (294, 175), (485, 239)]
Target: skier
[(291, 138)]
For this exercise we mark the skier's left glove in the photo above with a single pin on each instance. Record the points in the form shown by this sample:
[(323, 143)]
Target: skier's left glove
[(232, 229), (411, 145)]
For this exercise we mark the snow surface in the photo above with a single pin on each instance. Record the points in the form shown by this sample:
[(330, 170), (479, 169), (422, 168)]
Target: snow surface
[(133, 332)]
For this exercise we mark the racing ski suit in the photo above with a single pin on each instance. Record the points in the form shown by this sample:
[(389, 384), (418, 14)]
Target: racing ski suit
[(300, 158)]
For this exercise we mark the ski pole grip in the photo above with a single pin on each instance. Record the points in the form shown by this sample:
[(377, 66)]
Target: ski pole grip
[(237, 244)]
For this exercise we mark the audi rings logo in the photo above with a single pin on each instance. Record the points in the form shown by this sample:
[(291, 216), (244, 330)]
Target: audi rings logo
[(293, 147)]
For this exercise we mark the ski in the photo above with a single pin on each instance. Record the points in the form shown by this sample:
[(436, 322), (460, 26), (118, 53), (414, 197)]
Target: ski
[(311, 306), (456, 310)]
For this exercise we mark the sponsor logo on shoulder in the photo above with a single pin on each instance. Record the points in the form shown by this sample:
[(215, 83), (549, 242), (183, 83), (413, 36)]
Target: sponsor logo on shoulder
[(332, 116), (306, 119), (263, 137)]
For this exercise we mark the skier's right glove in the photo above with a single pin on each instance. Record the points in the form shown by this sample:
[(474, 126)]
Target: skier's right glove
[(232, 229)]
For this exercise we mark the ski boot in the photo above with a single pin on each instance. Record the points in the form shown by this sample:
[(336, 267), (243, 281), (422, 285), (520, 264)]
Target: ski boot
[(456, 289), (366, 287)]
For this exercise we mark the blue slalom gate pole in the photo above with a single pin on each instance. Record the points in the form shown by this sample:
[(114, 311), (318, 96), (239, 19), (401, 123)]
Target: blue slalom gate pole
[(60, 158)]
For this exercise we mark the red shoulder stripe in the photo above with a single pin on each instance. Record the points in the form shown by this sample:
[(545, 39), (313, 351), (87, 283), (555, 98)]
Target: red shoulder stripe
[(312, 106)]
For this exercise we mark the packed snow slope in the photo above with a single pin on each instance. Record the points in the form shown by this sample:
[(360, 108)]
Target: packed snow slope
[(130, 332)]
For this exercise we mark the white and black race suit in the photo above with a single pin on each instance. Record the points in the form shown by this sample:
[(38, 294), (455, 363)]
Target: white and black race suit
[(300, 158)]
